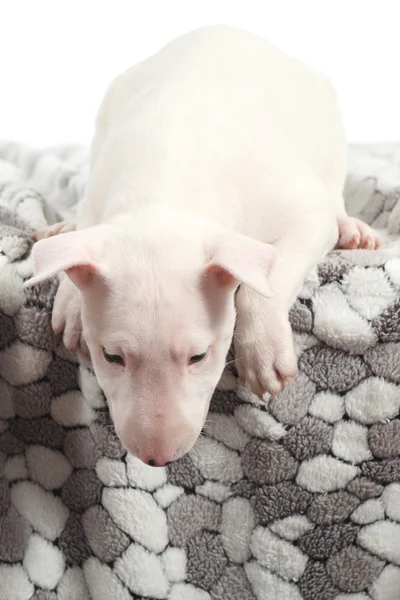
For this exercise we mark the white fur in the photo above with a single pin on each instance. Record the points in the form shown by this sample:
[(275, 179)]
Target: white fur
[(218, 161)]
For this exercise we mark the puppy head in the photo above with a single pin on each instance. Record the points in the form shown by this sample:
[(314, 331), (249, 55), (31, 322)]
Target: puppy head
[(158, 317)]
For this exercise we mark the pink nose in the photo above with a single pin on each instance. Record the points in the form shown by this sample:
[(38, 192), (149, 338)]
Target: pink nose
[(156, 451)]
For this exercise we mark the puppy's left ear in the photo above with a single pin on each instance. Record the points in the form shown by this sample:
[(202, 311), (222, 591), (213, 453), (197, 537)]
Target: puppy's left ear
[(238, 258), (78, 253)]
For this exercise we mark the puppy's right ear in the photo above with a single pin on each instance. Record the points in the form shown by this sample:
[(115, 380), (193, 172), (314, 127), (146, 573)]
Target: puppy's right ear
[(237, 258), (78, 253)]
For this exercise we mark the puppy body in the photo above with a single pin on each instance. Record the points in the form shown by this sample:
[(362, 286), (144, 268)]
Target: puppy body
[(218, 161)]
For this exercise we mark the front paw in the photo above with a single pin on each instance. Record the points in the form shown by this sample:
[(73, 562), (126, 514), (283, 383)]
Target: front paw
[(51, 230), (66, 318), (265, 357)]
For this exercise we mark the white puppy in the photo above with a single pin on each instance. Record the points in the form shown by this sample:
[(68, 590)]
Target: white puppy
[(217, 162)]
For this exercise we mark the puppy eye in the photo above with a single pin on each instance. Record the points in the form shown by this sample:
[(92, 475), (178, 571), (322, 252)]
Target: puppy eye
[(113, 358), (197, 358)]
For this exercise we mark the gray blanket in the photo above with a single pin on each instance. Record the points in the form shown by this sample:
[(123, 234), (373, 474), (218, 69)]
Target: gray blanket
[(297, 498)]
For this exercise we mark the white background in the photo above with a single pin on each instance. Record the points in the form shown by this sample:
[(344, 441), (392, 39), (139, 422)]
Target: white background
[(57, 57)]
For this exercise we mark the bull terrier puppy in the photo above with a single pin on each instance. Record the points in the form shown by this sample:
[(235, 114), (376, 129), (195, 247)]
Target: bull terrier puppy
[(219, 162)]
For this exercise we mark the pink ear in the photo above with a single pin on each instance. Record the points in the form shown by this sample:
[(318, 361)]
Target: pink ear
[(238, 259), (76, 252)]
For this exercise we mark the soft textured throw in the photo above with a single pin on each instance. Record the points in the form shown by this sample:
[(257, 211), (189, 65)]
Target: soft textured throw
[(296, 498)]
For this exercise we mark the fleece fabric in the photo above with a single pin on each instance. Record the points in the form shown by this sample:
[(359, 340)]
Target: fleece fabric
[(296, 498)]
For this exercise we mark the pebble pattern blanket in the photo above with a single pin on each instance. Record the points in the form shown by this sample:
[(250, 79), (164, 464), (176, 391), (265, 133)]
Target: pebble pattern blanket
[(294, 499)]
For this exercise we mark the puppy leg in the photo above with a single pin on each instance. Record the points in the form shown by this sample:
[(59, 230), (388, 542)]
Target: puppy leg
[(66, 317), (263, 340)]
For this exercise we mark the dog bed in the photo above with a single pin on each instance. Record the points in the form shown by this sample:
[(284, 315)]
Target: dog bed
[(297, 498)]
